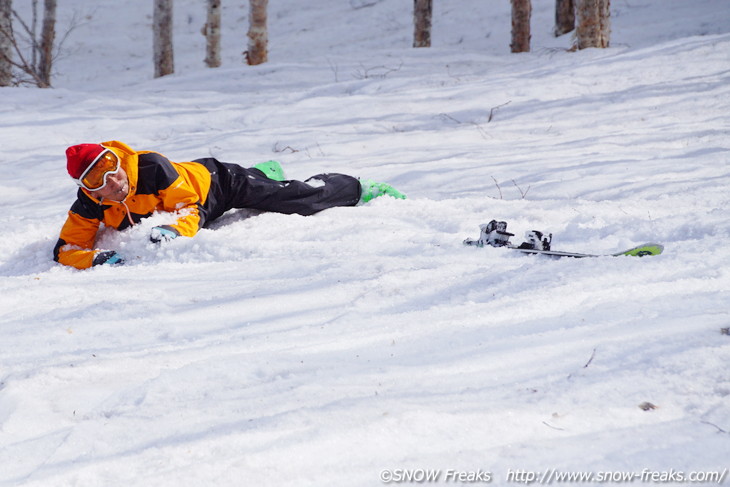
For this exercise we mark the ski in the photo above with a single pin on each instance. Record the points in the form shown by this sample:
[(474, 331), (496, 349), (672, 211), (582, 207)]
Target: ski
[(638, 251), (494, 234)]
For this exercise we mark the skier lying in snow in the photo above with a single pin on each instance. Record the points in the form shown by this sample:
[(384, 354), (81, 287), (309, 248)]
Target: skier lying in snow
[(120, 186)]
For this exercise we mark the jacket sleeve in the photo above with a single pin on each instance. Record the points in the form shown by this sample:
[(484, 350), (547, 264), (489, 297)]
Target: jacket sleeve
[(75, 247), (178, 189), (179, 197)]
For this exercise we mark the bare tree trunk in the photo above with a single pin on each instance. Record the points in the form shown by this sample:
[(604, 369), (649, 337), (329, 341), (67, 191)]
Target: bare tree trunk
[(48, 35), (162, 38), (594, 23), (521, 12), (564, 17), (422, 15), (33, 35), (6, 43), (212, 33), (258, 36)]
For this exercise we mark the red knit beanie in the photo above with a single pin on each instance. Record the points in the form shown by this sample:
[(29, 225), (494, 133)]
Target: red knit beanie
[(78, 158)]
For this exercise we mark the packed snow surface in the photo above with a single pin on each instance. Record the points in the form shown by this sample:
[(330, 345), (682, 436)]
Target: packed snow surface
[(367, 344)]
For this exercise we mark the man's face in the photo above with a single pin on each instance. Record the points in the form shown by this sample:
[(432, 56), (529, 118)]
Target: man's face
[(116, 189)]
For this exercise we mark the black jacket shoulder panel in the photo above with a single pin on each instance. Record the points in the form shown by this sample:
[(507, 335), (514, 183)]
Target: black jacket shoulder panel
[(88, 208), (155, 173)]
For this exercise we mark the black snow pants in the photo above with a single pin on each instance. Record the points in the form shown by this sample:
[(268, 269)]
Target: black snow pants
[(233, 186)]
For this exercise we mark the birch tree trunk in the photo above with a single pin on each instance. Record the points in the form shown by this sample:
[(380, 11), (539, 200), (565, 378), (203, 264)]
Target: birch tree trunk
[(258, 36), (34, 35), (564, 17), (213, 34), (6, 43), (48, 35), (521, 12), (162, 38), (422, 15), (594, 23)]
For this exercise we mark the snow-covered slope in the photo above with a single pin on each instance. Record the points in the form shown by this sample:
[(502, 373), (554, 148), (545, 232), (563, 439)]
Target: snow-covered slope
[(284, 350)]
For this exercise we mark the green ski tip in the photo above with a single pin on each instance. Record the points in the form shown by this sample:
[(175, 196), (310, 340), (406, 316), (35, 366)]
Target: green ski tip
[(645, 249)]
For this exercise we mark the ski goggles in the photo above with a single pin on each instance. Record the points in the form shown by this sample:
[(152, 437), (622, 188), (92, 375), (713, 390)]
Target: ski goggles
[(94, 177)]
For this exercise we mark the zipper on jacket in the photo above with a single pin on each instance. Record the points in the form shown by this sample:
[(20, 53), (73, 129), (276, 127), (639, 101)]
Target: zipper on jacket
[(124, 203)]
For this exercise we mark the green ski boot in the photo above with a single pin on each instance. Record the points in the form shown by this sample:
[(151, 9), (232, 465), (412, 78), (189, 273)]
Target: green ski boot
[(272, 170), (372, 189)]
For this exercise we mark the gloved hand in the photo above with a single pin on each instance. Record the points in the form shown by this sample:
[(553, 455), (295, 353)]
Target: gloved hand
[(164, 233), (108, 257)]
